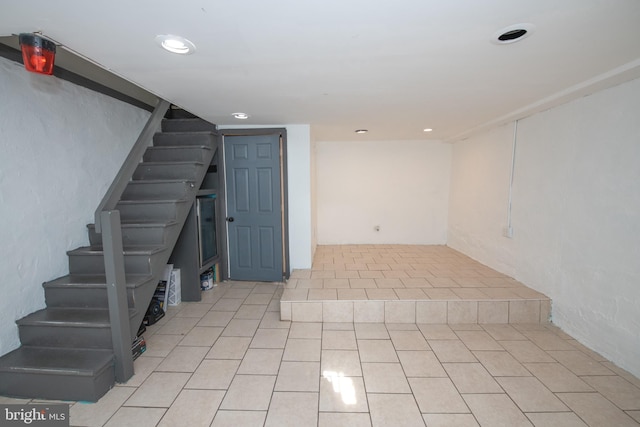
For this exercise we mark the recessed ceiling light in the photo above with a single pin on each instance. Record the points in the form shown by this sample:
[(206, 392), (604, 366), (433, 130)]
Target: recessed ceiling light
[(513, 33), (176, 44), (362, 131), (427, 130), (241, 116)]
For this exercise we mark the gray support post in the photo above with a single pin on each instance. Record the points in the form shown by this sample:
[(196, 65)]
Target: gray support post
[(117, 294)]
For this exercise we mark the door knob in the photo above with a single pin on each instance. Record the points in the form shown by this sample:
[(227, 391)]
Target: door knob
[(230, 219)]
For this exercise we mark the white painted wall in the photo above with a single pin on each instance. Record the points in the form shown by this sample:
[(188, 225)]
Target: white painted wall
[(401, 186), (61, 147), (576, 215), (299, 188)]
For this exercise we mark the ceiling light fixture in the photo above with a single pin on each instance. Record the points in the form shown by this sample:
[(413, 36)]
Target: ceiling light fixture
[(427, 130), (241, 116), (38, 53), (362, 131), (175, 44), (513, 33)]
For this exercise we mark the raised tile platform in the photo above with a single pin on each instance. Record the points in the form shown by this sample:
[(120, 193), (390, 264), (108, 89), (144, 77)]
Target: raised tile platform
[(407, 284)]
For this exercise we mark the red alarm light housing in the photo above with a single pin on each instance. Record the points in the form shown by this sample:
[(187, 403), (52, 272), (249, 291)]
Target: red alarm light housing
[(38, 54)]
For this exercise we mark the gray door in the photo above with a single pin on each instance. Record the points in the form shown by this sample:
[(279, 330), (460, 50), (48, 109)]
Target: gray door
[(254, 214)]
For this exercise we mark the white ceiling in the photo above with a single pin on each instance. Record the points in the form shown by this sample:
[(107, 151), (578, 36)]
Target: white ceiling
[(393, 67)]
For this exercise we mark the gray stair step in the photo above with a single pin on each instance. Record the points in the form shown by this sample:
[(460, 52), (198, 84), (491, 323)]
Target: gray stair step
[(186, 125), (151, 210), (89, 259), (88, 290), (168, 170), (158, 189), (67, 327), (184, 139), (177, 153), (56, 373), (137, 232)]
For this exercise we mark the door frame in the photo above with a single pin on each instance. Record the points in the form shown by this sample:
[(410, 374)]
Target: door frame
[(284, 203)]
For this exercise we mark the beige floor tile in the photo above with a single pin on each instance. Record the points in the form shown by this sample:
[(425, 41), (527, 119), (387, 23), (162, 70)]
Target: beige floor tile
[(247, 311), (259, 361), (503, 332), (229, 348), (415, 282), (142, 368), (400, 312), (420, 364), (596, 411), (363, 283), (269, 338), (136, 417), (385, 283), (394, 410), (457, 327), (298, 376), (437, 395), (292, 410), (304, 284), (337, 311), (336, 419), (178, 326), (159, 390), (201, 336), (305, 330), (213, 374), (526, 352), (493, 312), (450, 420), (381, 294), (437, 332), (451, 351), (302, 350), (557, 378), (547, 340), (462, 312), (216, 318), (501, 364), (471, 378), (352, 294), (635, 415), (342, 394), (341, 362), (336, 283), (369, 331), (385, 378), (241, 328), (368, 311), (97, 414), (431, 312), (183, 359), (339, 340), (249, 392), (228, 304), (524, 311), (239, 418), (495, 410), (193, 408), (531, 395), (306, 312), (349, 273), (440, 294), (322, 294), (237, 294), (579, 363), (409, 340), (377, 351), (258, 298), (478, 340), (618, 390), (272, 319), (337, 326), (555, 419)]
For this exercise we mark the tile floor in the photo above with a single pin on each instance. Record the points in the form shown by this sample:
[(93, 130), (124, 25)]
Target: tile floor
[(230, 361)]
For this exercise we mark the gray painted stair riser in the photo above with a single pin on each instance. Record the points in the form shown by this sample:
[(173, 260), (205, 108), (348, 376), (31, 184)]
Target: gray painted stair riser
[(90, 297), (167, 170), (142, 235), (179, 154), (157, 190), (65, 336), (184, 139), (187, 125), (93, 263), (158, 210)]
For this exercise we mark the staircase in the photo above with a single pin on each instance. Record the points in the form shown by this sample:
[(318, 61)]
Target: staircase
[(67, 350)]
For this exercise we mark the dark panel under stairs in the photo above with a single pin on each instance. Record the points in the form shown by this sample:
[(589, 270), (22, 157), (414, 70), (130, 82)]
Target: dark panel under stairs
[(66, 347)]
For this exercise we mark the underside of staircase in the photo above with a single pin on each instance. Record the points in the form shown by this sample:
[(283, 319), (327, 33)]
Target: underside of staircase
[(67, 349)]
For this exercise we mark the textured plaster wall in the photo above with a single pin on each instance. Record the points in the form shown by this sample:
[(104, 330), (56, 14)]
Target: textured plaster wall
[(576, 215), (61, 146), (401, 186)]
